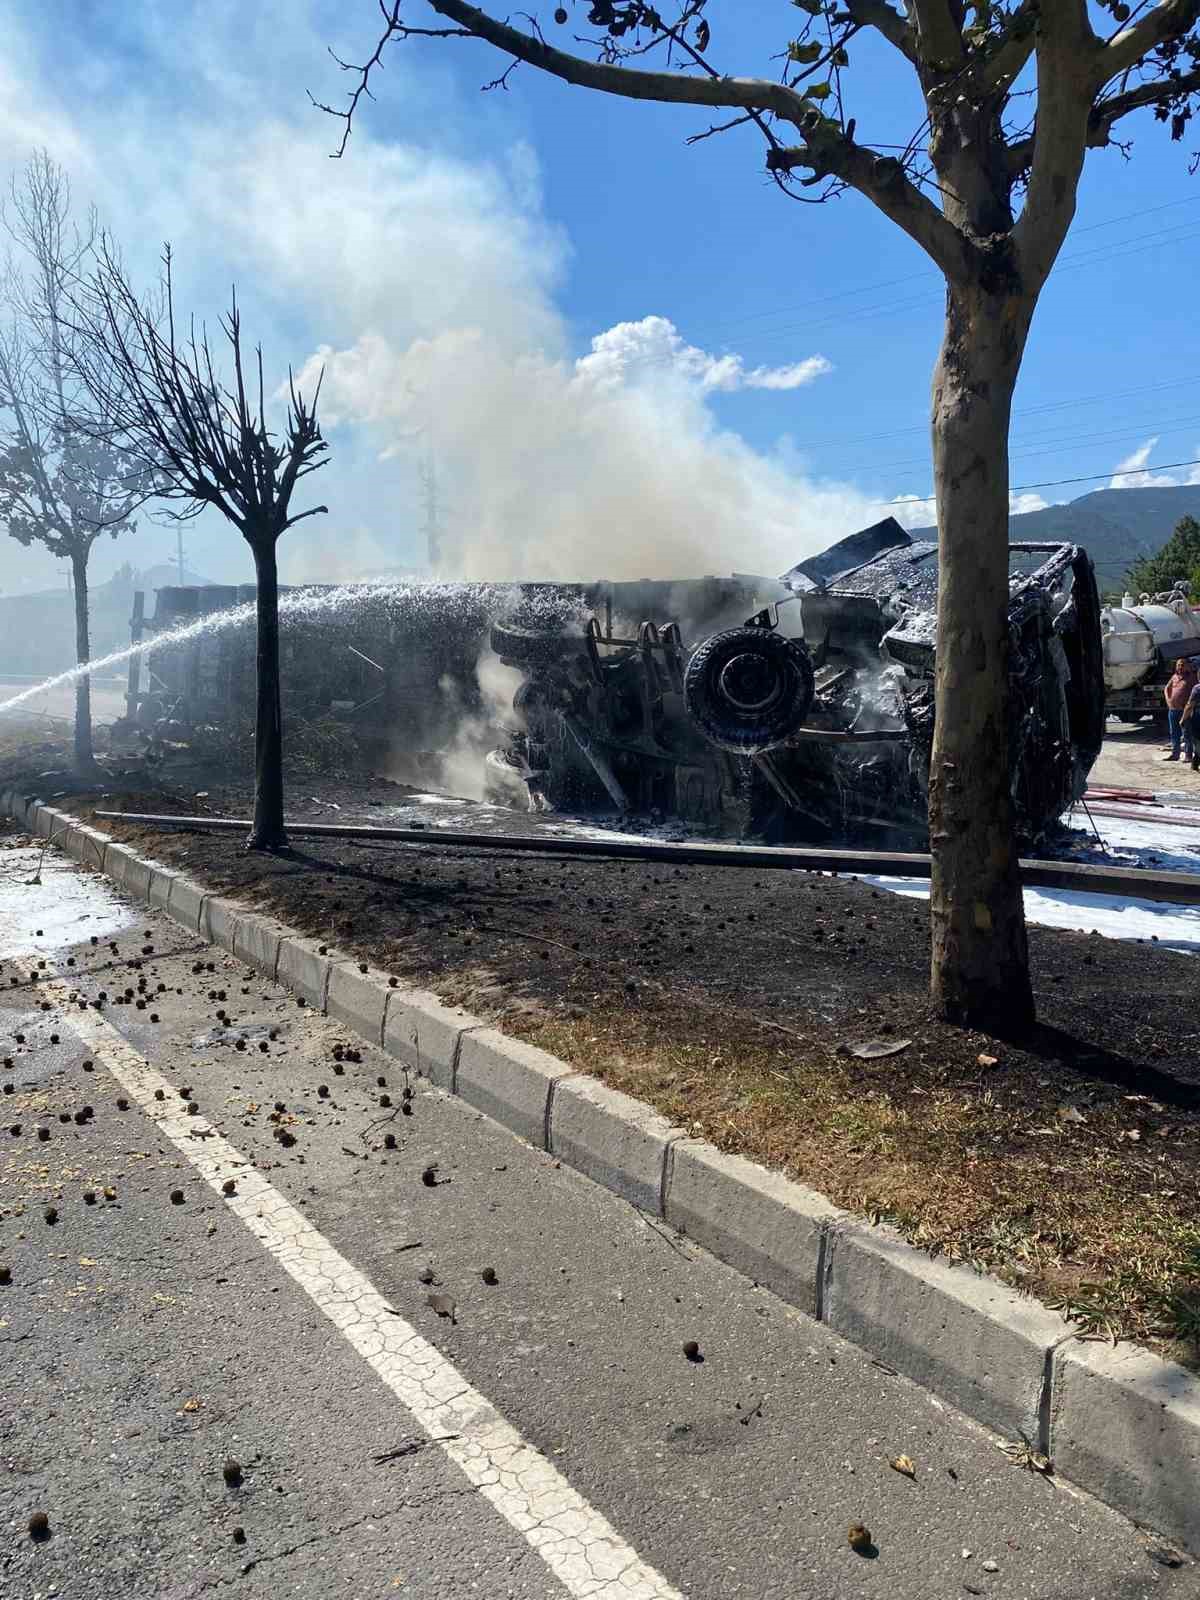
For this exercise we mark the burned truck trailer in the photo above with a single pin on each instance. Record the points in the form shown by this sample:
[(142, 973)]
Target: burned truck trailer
[(798, 708)]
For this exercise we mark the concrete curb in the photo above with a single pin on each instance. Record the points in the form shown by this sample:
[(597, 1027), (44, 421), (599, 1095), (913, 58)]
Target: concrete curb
[(1122, 1424)]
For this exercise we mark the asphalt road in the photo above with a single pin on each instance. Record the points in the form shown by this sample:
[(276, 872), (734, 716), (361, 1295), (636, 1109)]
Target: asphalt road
[(552, 1440)]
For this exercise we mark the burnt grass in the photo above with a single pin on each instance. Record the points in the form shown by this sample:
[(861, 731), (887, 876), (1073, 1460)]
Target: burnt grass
[(1065, 1163)]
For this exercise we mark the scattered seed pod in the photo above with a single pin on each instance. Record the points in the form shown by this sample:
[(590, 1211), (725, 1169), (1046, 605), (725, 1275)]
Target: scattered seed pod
[(393, 982), (286, 1139), (339, 1069), (429, 1177), (176, 1197), (39, 1525), (110, 1193), (51, 1215), (389, 1141), (5, 1272), (185, 1093), (385, 1100), (122, 1103), (381, 1083), (560, 15), (15, 1130), (43, 1134), (323, 1091), (89, 1197), (160, 1094), (408, 1094), (426, 1275), (279, 1106), (239, 1536), (489, 1276), (692, 1350), (232, 1472), (362, 966), (65, 1116), (229, 1186), (858, 1536), (406, 1107)]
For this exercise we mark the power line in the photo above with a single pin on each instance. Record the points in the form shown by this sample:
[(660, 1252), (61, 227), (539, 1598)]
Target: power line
[(1050, 444), (917, 277), (1053, 483), (1100, 256), (1105, 397)]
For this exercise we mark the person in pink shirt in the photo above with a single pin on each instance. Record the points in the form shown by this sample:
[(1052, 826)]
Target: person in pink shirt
[(1177, 692)]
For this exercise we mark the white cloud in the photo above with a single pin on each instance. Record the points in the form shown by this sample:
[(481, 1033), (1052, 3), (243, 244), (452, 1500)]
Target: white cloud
[(1133, 471), (631, 350), (912, 512), (1025, 500)]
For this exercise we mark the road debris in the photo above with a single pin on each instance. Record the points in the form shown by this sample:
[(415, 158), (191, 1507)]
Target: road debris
[(858, 1536), (876, 1049), (904, 1465), (442, 1305)]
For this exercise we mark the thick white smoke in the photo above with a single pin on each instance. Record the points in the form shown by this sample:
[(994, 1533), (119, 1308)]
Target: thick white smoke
[(609, 466)]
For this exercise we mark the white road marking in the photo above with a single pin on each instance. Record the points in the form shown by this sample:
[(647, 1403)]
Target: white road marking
[(580, 1547)]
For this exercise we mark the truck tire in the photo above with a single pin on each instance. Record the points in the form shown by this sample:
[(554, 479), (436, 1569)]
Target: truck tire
[(533, 648), (749, 689)]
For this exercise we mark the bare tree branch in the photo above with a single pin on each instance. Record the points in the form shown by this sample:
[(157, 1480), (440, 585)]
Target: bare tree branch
[(886, 20), (1066, 51), (939, 40), (208, 443), (1157, 92), (1170, 19), (1016, 45)]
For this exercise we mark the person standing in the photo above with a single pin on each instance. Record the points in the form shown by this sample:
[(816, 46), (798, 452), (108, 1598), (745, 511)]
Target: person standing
[(1177, 695), (1189, 723)]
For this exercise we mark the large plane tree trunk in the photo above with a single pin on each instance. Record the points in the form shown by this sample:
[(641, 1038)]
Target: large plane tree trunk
[(84, 757), (980, 963), (267, 831)]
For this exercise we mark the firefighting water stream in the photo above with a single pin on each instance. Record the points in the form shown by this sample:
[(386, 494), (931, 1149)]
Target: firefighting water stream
[(294, 604)]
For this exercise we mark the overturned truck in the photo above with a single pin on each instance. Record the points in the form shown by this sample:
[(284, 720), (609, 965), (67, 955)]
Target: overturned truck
[(798, 708), (813, 718)]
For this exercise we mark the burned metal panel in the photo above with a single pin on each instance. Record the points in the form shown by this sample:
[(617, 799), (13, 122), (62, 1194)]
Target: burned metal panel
[(846, 556)]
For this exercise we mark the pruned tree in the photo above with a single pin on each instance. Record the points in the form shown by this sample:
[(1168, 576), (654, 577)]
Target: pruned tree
[(208, 442), (1016, 92), (62, 483)]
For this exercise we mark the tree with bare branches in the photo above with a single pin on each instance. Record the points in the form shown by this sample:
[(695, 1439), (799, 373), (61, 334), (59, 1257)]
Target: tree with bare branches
[(62, 484), (209, 444), (1016, 93)]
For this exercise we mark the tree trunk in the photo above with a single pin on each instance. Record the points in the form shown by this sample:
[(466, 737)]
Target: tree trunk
[(267, 832), (980, 957), (84, 758)]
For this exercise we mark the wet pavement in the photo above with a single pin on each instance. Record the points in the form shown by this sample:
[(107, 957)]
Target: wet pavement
[(250, 1392)]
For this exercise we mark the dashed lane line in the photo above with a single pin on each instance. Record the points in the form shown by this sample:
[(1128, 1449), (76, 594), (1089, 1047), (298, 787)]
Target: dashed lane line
[(579, 1546)]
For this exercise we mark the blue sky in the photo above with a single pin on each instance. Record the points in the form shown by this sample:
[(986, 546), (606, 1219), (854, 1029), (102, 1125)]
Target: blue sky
[(607, 341)]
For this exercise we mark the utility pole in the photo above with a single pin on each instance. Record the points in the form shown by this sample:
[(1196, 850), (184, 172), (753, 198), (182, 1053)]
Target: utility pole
[(433, 521), (179, 553)]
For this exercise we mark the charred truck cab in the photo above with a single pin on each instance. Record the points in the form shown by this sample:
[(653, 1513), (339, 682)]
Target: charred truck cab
[(811, 720)]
